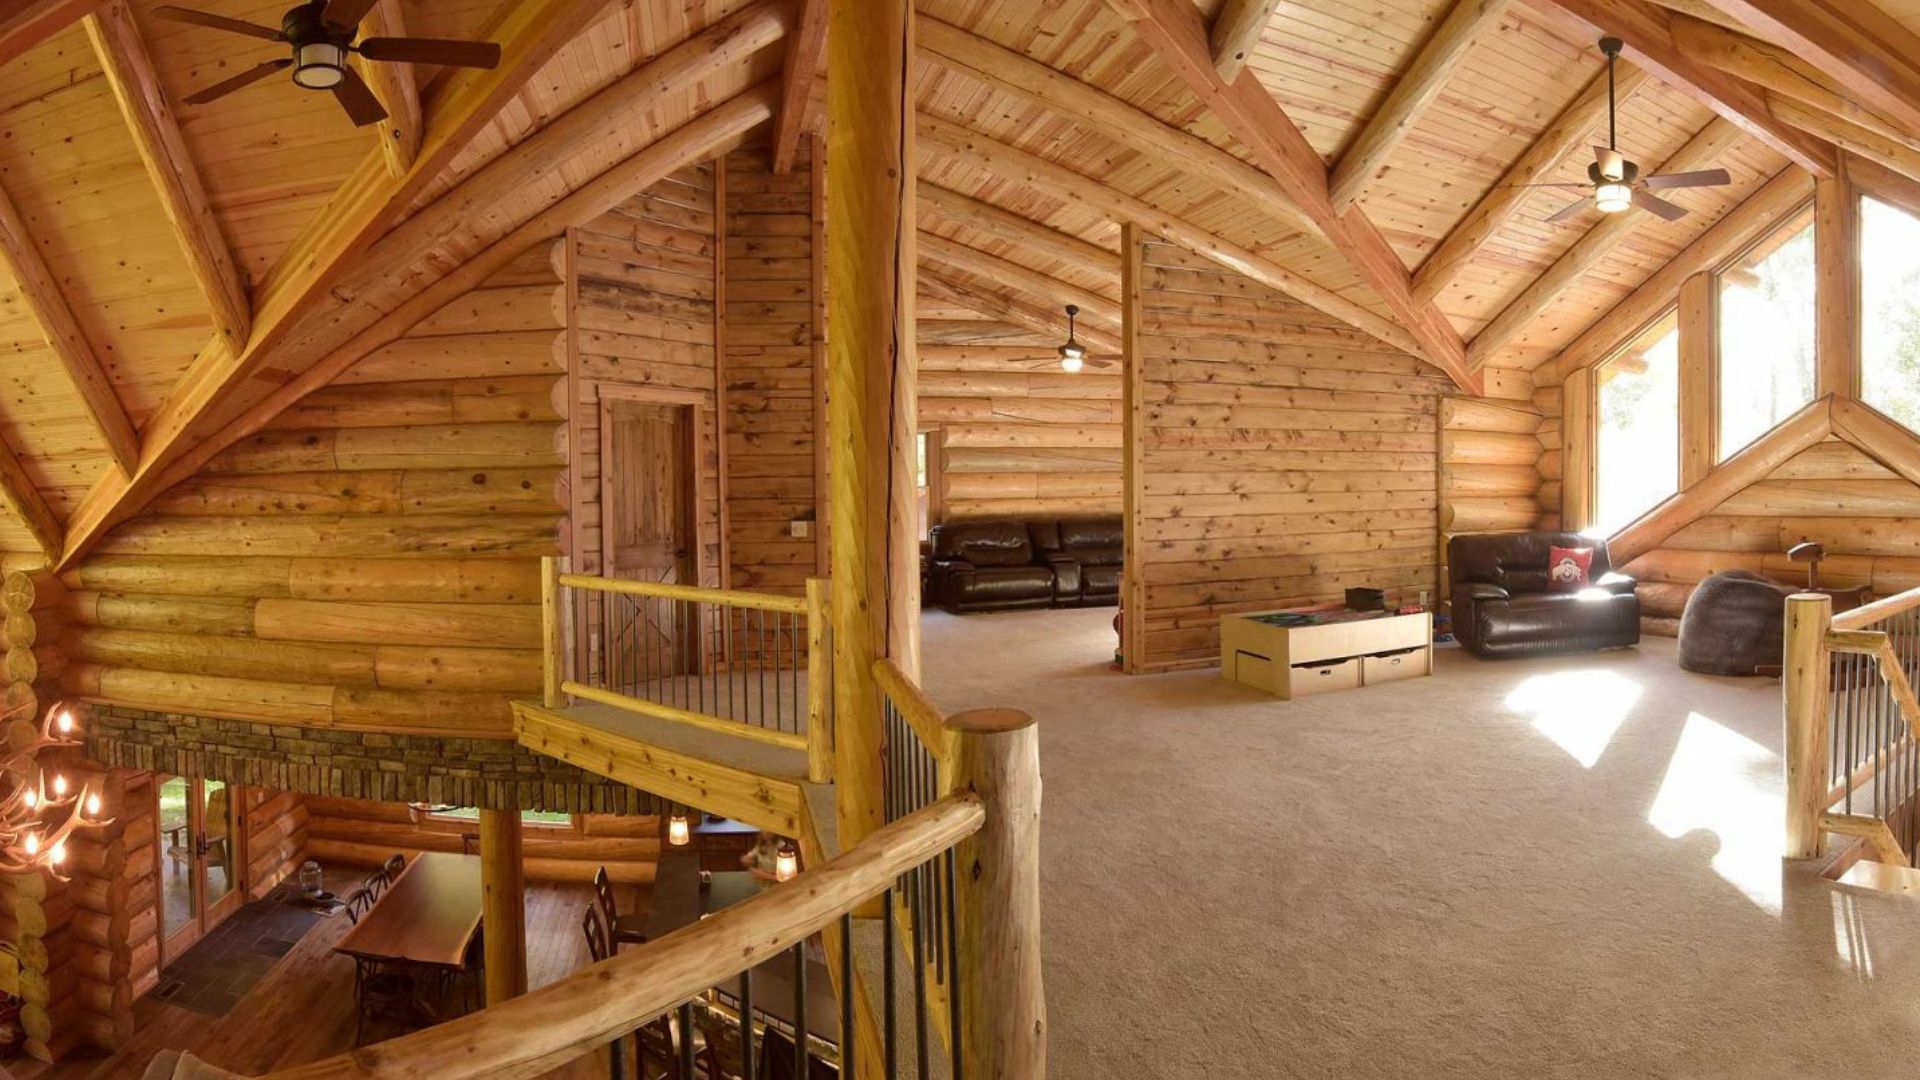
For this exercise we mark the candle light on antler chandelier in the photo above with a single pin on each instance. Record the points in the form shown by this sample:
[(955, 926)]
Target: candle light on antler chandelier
[(40, 810)]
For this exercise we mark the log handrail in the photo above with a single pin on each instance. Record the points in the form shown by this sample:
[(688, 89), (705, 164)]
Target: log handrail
[(1866, 615), (918, 710), (531, 1035), (792, 605)]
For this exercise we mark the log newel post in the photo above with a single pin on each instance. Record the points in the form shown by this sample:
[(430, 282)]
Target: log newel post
[(503, 905), (1003, 1009), (552, 643), (1805, 691)]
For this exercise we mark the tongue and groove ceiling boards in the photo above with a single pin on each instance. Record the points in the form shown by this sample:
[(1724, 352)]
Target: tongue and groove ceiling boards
[(174, 275)]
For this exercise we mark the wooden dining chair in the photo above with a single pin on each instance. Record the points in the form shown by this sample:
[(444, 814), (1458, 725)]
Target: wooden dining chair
[(358, 901), (394, 865), (594, 928), (628, 929), (375, 884), (723, 1057), (776, 1060), (380, 991), (659, 1041)]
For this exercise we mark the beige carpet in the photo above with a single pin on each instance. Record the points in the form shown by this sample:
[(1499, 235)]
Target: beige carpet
[(1559, 868)]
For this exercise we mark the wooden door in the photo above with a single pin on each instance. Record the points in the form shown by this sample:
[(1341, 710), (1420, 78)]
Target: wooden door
[(648, 490), (199, 852)]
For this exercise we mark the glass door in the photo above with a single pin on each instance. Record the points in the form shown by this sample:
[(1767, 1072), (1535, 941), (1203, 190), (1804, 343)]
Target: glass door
[(199, 861)]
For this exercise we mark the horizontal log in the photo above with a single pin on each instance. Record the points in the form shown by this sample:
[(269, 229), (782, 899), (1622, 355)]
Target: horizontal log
[(504, 536), (537, 869), (1486, 514), (355, 708), (386, 491), (1488, 448), (427, 446), (520, 398), (1479, 414), (474, 356)]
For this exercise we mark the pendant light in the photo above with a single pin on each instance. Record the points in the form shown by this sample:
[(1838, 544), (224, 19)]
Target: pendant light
[(1073, 355)]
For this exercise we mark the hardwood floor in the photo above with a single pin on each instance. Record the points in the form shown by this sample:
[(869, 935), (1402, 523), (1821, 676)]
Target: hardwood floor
[(302, 1009)]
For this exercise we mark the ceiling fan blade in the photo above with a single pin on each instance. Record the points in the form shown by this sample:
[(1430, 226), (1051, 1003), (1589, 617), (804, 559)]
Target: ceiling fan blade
[(477, 54), (217, 22), (352, 94), (1657, 205), (245, 78), (1703, 178), (1569, 184), (1612, 163), (346, 14), (1569, 211)]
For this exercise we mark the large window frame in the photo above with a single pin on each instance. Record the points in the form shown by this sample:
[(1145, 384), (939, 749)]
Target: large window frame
[(1720, 445), (1902, 195), (1650, 339)]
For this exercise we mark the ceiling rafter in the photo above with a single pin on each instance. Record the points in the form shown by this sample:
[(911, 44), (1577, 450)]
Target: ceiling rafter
[(719, 130), (1235, 34), (1173, 29), (1648, 34), (1097, 308), (937, 282), (530, 32), (41, 291), (944, 204), (393, 83), (129, 72), (1706, 146), (1755, 215), (1568, 132), (805, 50), (1869, 52), (944, 138), (34, 21), (23, 499), (1411, 94)]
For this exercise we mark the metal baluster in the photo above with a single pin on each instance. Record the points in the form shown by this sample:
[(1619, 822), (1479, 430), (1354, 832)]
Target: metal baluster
[(800, 1039), (1846, 702), (700, 654), (686, 1040), (746, 1023), (779, 722), (846, 997), (760, 653), (953, 970), (888, 989), (919, 973), (796, 637)]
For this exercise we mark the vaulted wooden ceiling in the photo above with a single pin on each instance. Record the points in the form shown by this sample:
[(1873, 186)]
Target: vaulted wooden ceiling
[(173, 274)]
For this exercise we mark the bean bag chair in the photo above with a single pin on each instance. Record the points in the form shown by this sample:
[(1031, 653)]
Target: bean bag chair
[(1734, 624)]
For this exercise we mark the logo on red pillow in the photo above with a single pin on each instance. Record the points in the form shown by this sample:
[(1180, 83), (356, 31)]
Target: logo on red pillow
[(1569, 569)]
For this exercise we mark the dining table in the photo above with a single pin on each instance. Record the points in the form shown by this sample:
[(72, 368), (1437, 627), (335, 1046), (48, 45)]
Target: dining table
[(427, 917)]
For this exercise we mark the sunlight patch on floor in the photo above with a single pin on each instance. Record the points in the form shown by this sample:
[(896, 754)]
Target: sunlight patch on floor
[(1850, 935), (1578, 710), (1723, 782)]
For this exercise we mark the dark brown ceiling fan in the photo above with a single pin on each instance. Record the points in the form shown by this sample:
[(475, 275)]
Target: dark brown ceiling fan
[(321, 33), (1615, 183)]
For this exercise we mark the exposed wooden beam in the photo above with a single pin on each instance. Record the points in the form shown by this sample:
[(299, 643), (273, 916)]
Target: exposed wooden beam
[(393, 83), (1869, 52), (1896, 154), (961, 209), (23, 499), (1836, 238), (938, 281), (1236, 33), (143, 103), (1415, 89), (1887, 441), (26, 24), (1174, 30), (205, 400), (804, 50), (946, 139), (1094, 307), (1648, 33), (1568, 133), (1097, 110), (1701, 151), (41, 292), (1761, 211)]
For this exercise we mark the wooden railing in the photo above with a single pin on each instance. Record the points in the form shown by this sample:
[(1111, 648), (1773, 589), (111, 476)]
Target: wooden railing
[(749, 665), (1852, 728)]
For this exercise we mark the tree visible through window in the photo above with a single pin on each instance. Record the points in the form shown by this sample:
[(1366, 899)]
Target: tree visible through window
[(1890, 310), (1637, 428), (1766, 335)]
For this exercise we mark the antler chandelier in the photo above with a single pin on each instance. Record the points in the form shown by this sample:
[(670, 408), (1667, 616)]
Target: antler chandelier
[(40, 810)]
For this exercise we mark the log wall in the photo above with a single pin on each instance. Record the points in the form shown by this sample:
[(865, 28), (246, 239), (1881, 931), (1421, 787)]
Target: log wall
[(366, 834), (370, 560), (274, 824), (1282, 458)]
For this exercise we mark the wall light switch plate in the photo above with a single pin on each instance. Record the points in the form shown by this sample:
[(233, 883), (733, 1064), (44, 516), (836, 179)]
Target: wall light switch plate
[(799, 530)]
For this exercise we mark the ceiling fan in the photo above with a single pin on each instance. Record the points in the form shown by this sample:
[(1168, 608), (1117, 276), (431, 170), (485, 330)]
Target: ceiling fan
[(1615, 182), (321, 34)]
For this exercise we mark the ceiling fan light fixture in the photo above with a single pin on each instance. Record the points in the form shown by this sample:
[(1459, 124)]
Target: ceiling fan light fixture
[(320, 65), (1073, 355), (1612, 198)]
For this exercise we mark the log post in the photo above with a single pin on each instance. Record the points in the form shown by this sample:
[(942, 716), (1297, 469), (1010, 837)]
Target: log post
[(819, 685), (873, 545), (1003, 1007), (551, 644), (503, 904), (1805, 694)]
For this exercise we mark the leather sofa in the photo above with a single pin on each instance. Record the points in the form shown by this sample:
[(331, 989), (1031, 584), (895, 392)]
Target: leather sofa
[(998, 565), (1502, 606)]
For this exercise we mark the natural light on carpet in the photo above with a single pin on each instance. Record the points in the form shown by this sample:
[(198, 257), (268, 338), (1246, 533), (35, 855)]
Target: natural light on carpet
[(1578, 710), (1723, 782)]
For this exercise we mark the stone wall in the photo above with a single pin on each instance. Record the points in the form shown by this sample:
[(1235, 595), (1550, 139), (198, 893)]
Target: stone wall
[(489, 773)]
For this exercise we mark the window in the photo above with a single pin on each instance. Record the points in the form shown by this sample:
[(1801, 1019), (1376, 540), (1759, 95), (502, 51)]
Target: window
[(1890, 310), (1766, 335), (1637, 427), (543, 818), (926, 479)]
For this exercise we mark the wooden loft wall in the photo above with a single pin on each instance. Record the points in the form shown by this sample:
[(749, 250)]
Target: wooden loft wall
[(370, 560), (1016, 436), (353, 832), (1278, 458)]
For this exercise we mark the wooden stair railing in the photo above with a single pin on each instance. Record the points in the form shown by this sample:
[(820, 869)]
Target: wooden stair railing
[(1852, 728)]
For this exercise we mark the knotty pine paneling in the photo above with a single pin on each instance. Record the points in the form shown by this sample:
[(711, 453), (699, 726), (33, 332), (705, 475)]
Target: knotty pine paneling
[(1284, 458)]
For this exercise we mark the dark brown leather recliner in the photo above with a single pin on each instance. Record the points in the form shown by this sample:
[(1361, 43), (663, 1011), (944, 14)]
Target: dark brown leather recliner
[(988, 566), (1502, 606)]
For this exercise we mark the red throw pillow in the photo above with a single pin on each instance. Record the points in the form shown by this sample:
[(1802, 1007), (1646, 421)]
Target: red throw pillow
[(1569, 569)]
